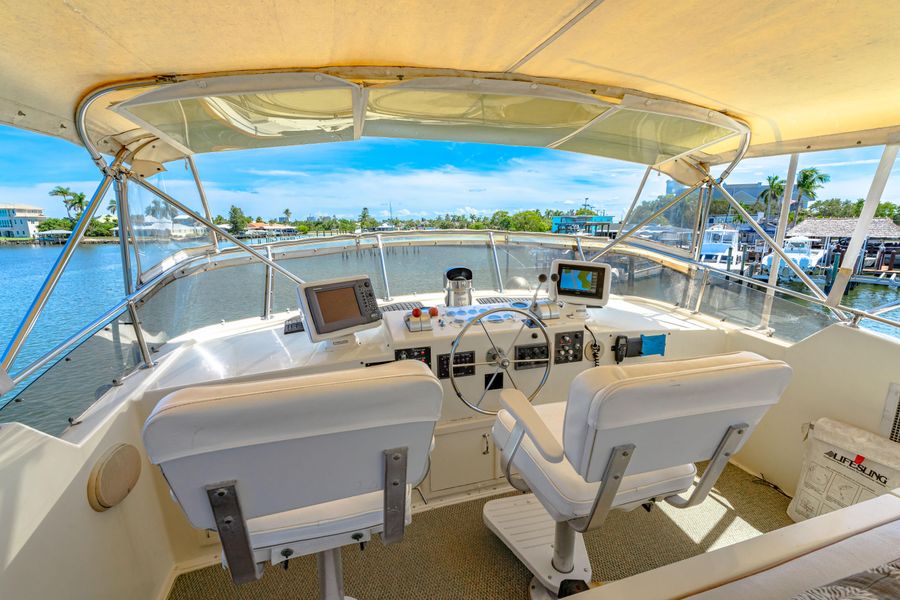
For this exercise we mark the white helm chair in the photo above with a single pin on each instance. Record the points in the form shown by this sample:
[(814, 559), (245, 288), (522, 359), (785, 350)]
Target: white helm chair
[(287, 467), (627, 436)]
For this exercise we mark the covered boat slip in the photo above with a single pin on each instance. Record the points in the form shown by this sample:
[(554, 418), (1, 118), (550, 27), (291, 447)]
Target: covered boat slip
[(212, 423)]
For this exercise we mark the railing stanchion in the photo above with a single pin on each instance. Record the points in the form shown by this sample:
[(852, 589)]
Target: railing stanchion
[(703, 283), (146, 356), (270, 282), (580, 249), (387, 287), (702, 291), (496, 262)]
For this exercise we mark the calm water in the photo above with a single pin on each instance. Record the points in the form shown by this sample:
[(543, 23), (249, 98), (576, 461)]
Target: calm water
[(93, 283)]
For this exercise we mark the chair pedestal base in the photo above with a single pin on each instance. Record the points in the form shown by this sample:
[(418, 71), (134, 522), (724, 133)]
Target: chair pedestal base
[(331, 575), (525, 527)]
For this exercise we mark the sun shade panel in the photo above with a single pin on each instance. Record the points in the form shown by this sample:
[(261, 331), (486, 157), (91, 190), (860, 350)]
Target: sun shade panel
[(242, 112), (468, 116), (645, 137), (237, 118)]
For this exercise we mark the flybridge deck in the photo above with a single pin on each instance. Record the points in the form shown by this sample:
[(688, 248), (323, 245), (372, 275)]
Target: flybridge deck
[(592, 77)]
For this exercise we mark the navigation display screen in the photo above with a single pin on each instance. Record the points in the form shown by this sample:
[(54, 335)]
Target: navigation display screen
[(338, 304), (338, 308), (580, 281)]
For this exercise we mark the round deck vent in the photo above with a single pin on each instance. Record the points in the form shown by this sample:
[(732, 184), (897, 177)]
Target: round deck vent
[(113, 477)]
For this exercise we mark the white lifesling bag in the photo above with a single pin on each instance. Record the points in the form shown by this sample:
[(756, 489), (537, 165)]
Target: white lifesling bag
[(843, 465)]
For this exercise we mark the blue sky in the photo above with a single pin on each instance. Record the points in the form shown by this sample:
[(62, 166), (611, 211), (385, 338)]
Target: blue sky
[(416, 178)]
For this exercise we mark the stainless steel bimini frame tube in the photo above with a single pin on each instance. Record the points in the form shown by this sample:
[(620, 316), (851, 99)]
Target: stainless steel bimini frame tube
[(193, 167), (624, 236), (122, 208), (212, 226), (40, 300), (780, 231), (775, 247)]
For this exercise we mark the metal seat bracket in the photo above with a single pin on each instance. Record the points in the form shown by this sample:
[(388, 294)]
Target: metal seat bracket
[(394, 495), (232, 528)]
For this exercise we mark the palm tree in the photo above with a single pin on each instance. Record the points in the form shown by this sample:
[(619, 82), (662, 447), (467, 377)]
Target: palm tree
[(64, 193), (773, 192), (287, 215), (160, 210), (77, 202), (808, 182), (113, 206)]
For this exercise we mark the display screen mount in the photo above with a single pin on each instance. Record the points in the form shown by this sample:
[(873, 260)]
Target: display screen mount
[(582, 282)]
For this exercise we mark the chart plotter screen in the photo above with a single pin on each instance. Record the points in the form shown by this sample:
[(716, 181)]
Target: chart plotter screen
[(580, 280)]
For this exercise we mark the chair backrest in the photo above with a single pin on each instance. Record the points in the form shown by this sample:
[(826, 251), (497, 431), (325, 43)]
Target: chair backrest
[(674, 412), (296, 441)]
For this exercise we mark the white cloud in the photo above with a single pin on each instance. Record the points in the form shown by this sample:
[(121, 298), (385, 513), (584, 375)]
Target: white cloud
[(557, 180), (469, 210), (276, 173), (564, 179), (846, 163)]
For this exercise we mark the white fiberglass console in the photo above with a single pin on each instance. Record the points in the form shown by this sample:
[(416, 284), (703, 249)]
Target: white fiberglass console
[(581, 282), (338, 308)]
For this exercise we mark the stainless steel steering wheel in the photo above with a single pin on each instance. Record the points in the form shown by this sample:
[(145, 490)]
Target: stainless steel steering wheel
[(499, 358)]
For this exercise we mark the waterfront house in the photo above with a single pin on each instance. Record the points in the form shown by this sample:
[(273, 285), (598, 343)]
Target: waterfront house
[(20, 220)]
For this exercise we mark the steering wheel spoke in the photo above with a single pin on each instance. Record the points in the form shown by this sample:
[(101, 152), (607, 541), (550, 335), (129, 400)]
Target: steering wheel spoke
[(487, 386), (511, 380)]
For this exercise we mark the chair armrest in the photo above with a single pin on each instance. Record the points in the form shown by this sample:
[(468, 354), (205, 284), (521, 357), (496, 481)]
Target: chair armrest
[(516, 404)]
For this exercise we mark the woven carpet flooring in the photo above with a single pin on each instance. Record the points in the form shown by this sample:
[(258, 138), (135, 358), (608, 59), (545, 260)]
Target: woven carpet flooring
[(449, 554)]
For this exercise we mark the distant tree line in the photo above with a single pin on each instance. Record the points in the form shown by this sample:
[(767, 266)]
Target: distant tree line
[(75, 203), (524, 220)]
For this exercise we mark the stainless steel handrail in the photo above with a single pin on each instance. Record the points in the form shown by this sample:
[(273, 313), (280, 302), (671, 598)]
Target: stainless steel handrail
[(559, 240), (556, 240), (890, 306)]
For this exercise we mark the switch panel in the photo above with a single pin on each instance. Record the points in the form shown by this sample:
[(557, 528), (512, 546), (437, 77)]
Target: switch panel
[(422, 354), (568, 347), (461, 358), (530, 356), (294, 325)]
